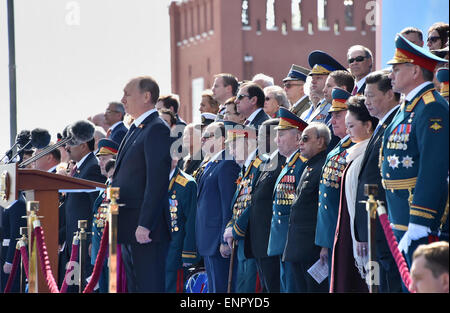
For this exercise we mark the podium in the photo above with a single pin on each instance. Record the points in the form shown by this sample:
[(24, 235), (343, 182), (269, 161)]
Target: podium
[(45, 187)]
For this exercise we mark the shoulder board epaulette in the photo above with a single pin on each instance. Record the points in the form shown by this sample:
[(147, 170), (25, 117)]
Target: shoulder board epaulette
[(303, 159), (347, 143), (294, 159), (257, 162), (428, 97), (181, 180)]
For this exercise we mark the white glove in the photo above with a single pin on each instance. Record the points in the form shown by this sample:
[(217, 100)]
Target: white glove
[(228, 235), (414, 232)]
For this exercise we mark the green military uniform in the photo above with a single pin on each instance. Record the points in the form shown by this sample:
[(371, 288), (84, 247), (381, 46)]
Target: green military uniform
[(330, 183), (414, 156), (182, 249), (284, 194)]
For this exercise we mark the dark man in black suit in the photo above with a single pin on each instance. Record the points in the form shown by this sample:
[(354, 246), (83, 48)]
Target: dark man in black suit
[(381, 102), (142, 173), (78, 205), (300, 249), (249, 103)]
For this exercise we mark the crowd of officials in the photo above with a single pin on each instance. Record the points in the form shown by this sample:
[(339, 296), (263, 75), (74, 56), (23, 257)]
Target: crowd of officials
[(269, 187)]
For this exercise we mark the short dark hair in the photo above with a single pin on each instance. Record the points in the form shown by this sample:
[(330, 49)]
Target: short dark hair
[(343, 79), (231, 101), (254, 90), (111, 163), (147, 83), (436, 255), (91, 144), (229, 80), (357, 106), (170, 101), (173, 118), (442, 29), (383, 82), (56, 155), (409, 30)]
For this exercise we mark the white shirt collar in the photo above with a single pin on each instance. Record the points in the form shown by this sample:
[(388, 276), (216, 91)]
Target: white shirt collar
[(415, 91), (216, 156), (291, 156), (344, 139), (171, 173), (142, 117), (53, 168), (79, 163), (361, 82), (387, 114), (252, 116)]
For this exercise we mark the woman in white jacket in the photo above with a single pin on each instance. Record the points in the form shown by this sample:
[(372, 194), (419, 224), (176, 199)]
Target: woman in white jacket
[(349, 255)]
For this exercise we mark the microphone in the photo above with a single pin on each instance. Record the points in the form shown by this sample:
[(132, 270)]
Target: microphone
[(22, 139), (40, 138), (73, 134)]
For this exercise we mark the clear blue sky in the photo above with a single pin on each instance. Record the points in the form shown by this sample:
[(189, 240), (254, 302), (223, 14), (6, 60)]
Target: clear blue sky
[(73, 57), (398, 14)]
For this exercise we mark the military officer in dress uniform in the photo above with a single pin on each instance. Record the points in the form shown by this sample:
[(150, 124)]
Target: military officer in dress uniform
[(243, 146), (442, 77), (107, 149), (182, 250), (330, 183), (415, 152), (293, 86), (289, 131), (322, 64)]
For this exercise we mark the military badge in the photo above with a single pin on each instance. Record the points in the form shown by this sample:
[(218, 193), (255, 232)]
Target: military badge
[(393, 161), (407, 161), (435, 124)]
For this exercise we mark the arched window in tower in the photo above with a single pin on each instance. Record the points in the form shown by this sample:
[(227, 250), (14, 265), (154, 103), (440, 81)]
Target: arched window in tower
[(245, 16), (270, 14), (296, 15), (348, 4), (322, 23)]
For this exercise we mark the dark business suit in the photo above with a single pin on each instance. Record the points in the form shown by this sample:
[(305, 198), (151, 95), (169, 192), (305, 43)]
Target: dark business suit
[(260, 118), (258, 230), (300, 249), (142, 174), (78, 206), (216, 188), (390, 280), (118, 133)]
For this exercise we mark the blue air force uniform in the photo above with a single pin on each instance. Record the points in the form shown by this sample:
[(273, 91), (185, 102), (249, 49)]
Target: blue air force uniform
[(182, 249), (415, 154)]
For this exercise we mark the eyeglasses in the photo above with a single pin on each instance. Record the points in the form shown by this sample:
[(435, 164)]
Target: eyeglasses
[(206, 136), (433, 39), (289, 85), (111, 111), (359, 58), (240, 97), (304, 138), (267, 98)]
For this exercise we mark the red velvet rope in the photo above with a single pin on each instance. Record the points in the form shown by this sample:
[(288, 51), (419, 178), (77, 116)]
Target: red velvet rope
[(24, 253), (73, 258), (12, 275), (44, 261), (398, 256), (98, 261)]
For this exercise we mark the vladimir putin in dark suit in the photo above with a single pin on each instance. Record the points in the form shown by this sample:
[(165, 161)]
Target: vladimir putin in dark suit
[(142, 173)]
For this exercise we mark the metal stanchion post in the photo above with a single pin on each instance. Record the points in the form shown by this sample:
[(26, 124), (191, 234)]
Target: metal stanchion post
[(23, 278), (32, 209), (82, 235), (113, 195), (370, 191)]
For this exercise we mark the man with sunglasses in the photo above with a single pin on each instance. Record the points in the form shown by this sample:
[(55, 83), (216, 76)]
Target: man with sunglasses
[(289, 131), (360, 62), (301, 251), (114, 114), (216, 186), (293, 85), (250, 103)]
